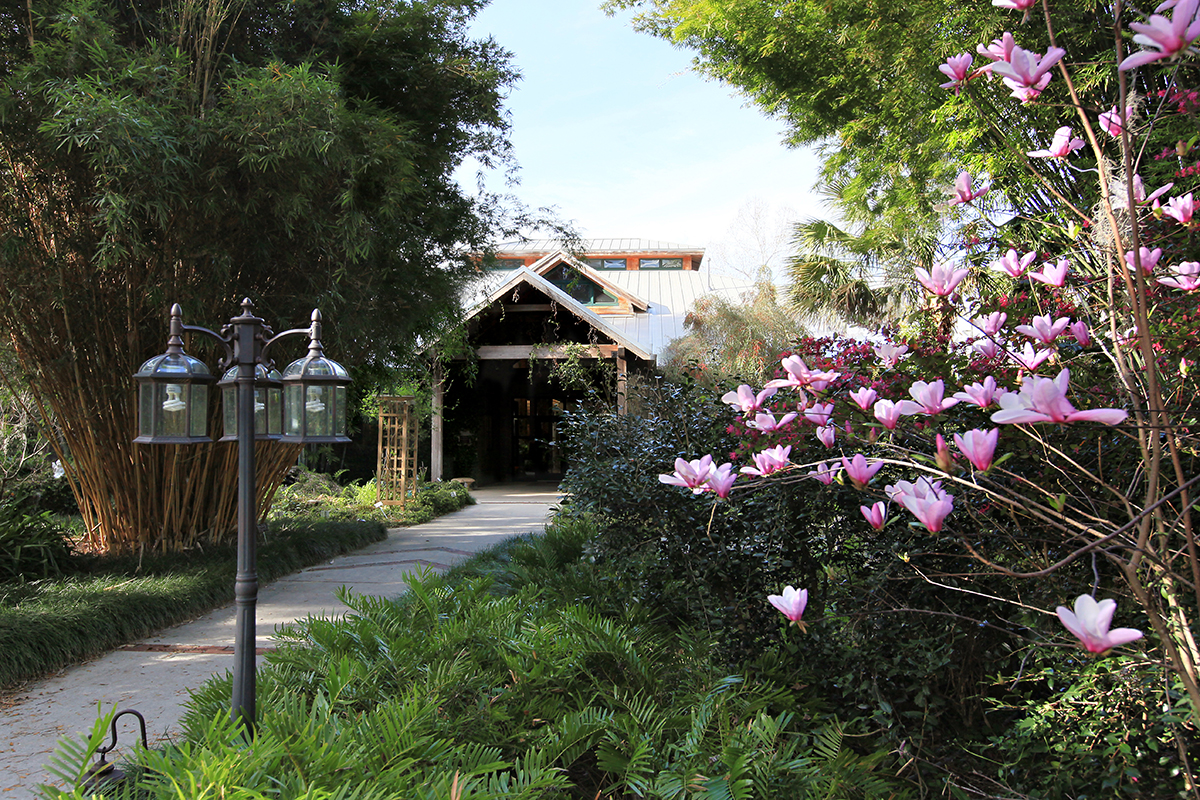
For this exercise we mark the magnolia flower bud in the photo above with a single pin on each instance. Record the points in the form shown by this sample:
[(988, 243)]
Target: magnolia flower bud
[(945, 461)]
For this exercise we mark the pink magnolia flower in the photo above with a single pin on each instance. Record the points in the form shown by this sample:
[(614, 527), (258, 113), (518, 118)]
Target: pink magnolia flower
[(1148, 258), (1090, 622), (980, 394), (800, 376), (1027, 74), (999, 50), (963, 193), (1166, 38), (1112, 123), (1029, 358), (1045, 400), (819, 413), (765, 421), (1052, 275), (1016, 5), (988, 348), (1043, 329), (1139, 190), (1180, 209), (860, 470), (888, 413), (1011, 265), (827, 435), (824, 473), (745, 400), (921, 488), (1079, 330), (1186, 277), (925, 500), (721, 481), (978, 446), (768, 461), (992, 323), (930, 511), (942, 280), (890, 353), (1061, 146), (791, 604), (958, 70), (690, 474), (876, 515), (928, 397), (863, 397)]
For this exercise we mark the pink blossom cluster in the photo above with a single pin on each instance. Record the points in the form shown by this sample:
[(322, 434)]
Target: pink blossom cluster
[(1037, 400)]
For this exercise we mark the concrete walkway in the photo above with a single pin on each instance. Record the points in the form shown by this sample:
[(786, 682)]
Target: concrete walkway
[(155, 675)]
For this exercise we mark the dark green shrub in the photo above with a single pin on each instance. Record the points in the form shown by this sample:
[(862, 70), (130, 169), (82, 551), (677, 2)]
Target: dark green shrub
[(31, 545), (316, 496), (1091, 728), (444, 498), (579, 704), (909, 656)]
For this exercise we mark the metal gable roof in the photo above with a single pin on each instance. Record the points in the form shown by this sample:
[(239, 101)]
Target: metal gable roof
[(525, 275), (534, 246), (672, 295), (551, 260)]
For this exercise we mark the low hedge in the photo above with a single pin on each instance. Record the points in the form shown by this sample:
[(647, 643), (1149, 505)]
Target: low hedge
[(110, 601)]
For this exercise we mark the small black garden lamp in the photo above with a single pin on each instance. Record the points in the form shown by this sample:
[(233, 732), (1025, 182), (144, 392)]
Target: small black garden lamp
[(173, 409)]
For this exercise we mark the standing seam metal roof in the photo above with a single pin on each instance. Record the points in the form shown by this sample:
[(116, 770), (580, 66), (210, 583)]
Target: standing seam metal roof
[(669, 294), (595, 246)]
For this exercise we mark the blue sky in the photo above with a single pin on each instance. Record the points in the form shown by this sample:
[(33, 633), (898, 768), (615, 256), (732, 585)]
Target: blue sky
[(613, 128)]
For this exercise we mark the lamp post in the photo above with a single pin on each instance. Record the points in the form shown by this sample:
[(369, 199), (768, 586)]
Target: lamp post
[(306, 404)]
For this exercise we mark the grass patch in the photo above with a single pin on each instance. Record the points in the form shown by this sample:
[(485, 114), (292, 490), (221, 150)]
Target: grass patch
[(110, 601)]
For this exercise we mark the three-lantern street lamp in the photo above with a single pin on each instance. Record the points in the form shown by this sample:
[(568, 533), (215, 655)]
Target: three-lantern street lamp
[(305, 404)]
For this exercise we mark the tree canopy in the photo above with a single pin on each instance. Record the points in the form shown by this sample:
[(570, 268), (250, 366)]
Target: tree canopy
[(860, 80), (299, 153)]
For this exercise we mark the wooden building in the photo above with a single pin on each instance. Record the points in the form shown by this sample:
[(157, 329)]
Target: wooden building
[(613, 303)]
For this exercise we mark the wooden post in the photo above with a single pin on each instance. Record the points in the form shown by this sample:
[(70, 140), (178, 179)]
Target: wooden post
[(622, 383), (435, 432)]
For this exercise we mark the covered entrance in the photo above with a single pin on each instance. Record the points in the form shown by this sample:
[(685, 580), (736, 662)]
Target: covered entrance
[(497, 415)]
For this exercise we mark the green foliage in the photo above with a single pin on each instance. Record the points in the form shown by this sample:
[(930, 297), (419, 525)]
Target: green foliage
[(912, 659), (727, 339), (106, 602), (299, 153), (1091, 728), (32, 546), (860, 80), (316, 496), (451, 691), (860, 273)]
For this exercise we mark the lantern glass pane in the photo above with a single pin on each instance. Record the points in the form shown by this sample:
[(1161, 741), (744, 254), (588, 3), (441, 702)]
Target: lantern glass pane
[(229, 410), (274, 415), (199, 419), (171, 400), (146, 416), (294, 403), (260, 410), (339, 416), (318, 413)]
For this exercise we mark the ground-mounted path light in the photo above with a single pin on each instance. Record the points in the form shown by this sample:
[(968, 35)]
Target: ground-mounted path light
[(306, 404)]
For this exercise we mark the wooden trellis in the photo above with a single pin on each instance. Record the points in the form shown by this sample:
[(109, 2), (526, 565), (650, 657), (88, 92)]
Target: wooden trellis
[(396, 470)]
